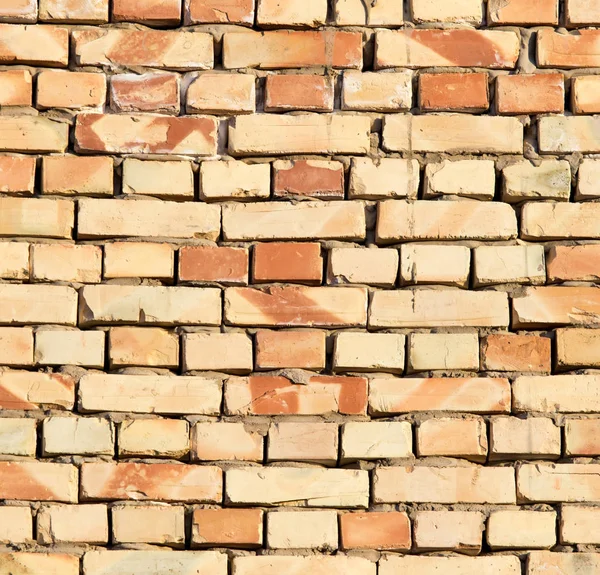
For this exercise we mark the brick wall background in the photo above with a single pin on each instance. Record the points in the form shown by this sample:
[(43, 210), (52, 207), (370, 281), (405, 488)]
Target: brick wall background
[(299, 288)]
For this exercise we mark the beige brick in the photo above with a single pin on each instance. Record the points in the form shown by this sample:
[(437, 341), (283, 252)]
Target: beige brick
[(568, 134), (17, 437), (71, 90), (580, 12), (38, 304), (589, 171), (365, 91), (37, 46), (471, 134), (312, 442), (432, 264), (287, 221), (47, 563), (80, 523), (16, 86), (157, 524), (72, 11), (123, 218), (452, 11), (488, 565), (77, 436), (150, 394), (581, 437), (384, 178), (66, 263), (579, 525), (168, 180), (277, 564), (363, 266), (531, 438), (564, 221), (376, 440), (443, 308), (522, 264), (369, 352), (77, 175), (233, 180), (384, 13), (15, 525), (228, 352), (577, 348), (69, 347), (222, 441), (139, 260), (507, 529), (33, 133), (16, 346), (132, 346), (541, 562), (15, 260), (150, 305), (219, 93), (431, 351), (25, 390), (459, 531), (299, 486), (19, 11), (167, 438), (302, 530), (261, 134), (584, 95), (36, 217), (449, 485), (274, 13), (453, 437), (523, 181), (466, 178)]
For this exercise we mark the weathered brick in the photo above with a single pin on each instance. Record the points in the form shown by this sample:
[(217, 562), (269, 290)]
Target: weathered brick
[(586, 178), (313, 442), (581, 437), (383, 178), (376, 440), (77, 175), (17, 173), (273, 565), (157, 524), (37, 481), (453, 437), (32, 133), (550, 180), (74, 11), (577, 50), (216, 11), (531, 438), (228, 352), (72, 90), (512, 352), (219, 93), (530, 94), (152, 92), (540, 562), (523, 264), (488, 565), (284, 92), (582, 12), (149, 12), (34, 45), (287, 262), (380, 92), (377, 267), (369, 352), (469, 178), (14, 260), (16, 525), (557, 393), (459, 531), (427, 351), (523, 12), (69, 347), (584, 95), (275, 13), (151, 346), (577, 348), (16, 346), (16, 87), (453, 92), (383, 13), (509, 529), (139, 260), (454, 11), (375, 530), (19, 11), (17, 437), (207, 264), (38, 304), (556, 482), (168, 180), (25, 390), (435, 264), (560, 134), (165, 438), (234, 180), (302, 530), (47, 563), (579, 525), (322, 179), (66, 262), (289, 349), (222, 441), (548, 221), (227, 528), (58, 524), (77, 436)]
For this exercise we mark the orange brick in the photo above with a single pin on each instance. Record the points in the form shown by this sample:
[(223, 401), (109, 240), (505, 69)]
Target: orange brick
[(524, 12), (35, 45), (311, 178), (227, 528), (517, 353), (144, 346), (145, 93), (299, 92), (17, 174), (219, 11), (575, 50), (15, 88), (73, 90), (454, 92), (287, 262), (530, 94), (77, 175), (585, 95), (213, 264), (149, 12), (36, 481), (74, 11), (290, 349), (573, 263), (375, 530)]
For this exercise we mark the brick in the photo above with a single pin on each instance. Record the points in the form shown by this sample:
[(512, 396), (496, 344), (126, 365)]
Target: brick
[(550, 180), (384, 178), (454, 92), (539, 562), (311, 442), (145, 134), (375, 530), (333, 565), (155, 482), (77, 436), (174, 50), (579, 525), (300, 486), (228, 352), (69, 347), (524, 12), (14, 258), (568, 51), (376, 440), (465, 178), (139, 260), (165, 438), (420, 484), (581, 12), (72, 90), (152, 92), (471, 134), (24, 390), (47, 563), (584, 95), (221, 441), (467, 394), (149, 305), (129, 218), (453, 437), (276, 395), (160, 525), (435, 264), (233, 180), (512, 352), (285, 92), (287, 262), (34, 45), (443, 308), (221, 264), (586, 177), (227, 528), (216, 11), (560, 221), (38, 304), (151, 13), (488, 565), (17, 437), (16, 346), (37, 481), (458, 531), (365, 91), (219, 93), (274, 13), (572, 134), (530, 94), (427, 351), (556, 305), (16, 525), (166, 180), (532, 438), (302, 530), (144, 346), (322, 179), (33, 133), (17, 173), (465, 48), (377, 267), (455, 11), (82, 523), (289, 349), (369, 352), (16, 87), (261, 134), (292, 49), (74, 11), (577, 348), (581, 437), (19, 11), (423, 220), (383, 13), (77, 175), (66, 262), (149, 394), (522, 264), (555, 482), (509, 529)]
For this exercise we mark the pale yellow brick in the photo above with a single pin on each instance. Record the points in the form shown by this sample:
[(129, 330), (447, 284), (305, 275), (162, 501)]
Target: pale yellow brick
[(466, 178), (522, 264), (38, 304), (560, 221), (378, 267), (560, 134), (35, 133), (523, 181), (234, 180), (69, 347), (14, 258), (450, 11), (383, 178), (277, 564), (381, 92), (15, 525), (17, 437), (138, 260), (16, 346), (157, 524), (87, 12), (453, 437), (228, 352), (315, 442), (221, 93), (577, 348), (376, 440), (222, 441), (430, 264), (487, 565), (66, 262), (587, 176), (579, 525), (82, 523), (311, 13), (431, 351), (77, 436), (167, 438), (369, 352), (459, 531), (531, 438), (521, 529), (302, 530), (543, 562), (168, 180), (133, 346), (41, 217)]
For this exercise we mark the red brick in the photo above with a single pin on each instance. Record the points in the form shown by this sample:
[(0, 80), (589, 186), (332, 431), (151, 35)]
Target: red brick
[(517, 353), (287, 262), (145, 93), (298, 92), (17, 174), (149, 12), (36, 481), (219, 11), (35, 45), (524, 12), (311, 178), (575, 50), (375, 530), (530, 94), (573, 263), (15, 88), (290, 349), (454, 92), (213, 264), (241, 528)]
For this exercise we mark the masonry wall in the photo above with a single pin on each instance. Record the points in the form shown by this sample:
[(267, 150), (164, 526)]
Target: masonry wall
[(299, 288)]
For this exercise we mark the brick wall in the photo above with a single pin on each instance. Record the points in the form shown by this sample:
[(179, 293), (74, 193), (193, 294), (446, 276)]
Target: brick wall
[(300, 287)]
